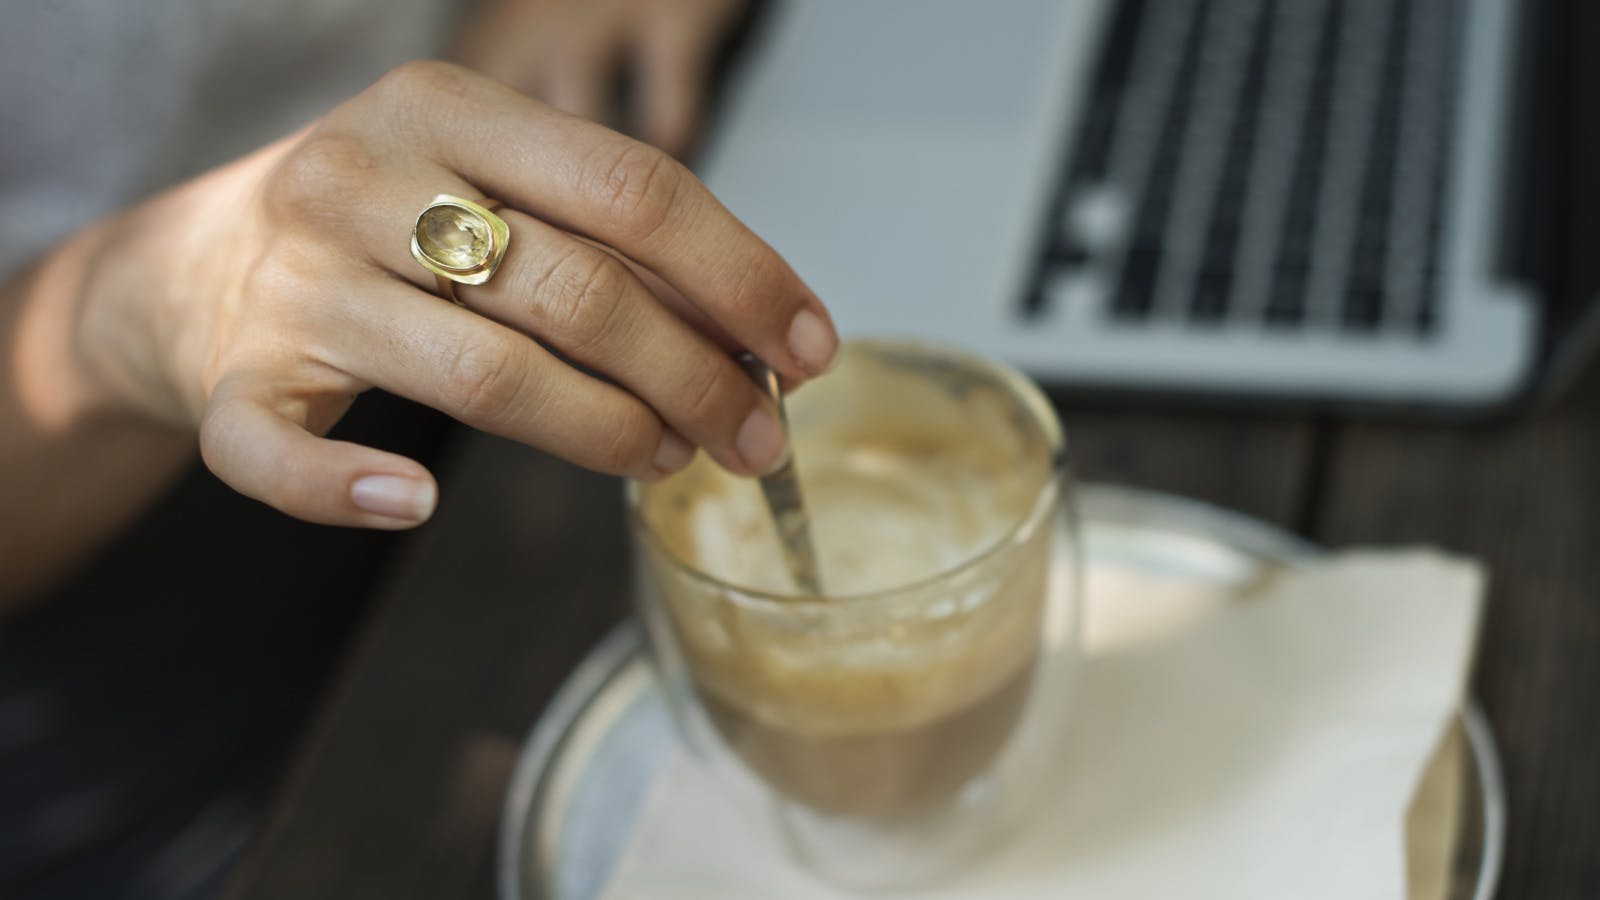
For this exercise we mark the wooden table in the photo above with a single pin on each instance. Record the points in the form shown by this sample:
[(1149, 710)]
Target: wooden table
[(397, 790)]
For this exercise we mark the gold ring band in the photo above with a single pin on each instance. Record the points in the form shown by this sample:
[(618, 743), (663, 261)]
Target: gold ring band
[(447, 289), (459, 241)]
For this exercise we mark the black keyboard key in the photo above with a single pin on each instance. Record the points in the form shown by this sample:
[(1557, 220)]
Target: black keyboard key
[(1142, 265), (1092, 147), (1136, 292), (1363, 305), (1070, 254), (1211, 290), (1111, 78), (1428, 305), (1287, 298)]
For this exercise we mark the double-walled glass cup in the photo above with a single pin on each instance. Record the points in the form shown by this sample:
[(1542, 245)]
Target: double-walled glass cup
[(901, 721)]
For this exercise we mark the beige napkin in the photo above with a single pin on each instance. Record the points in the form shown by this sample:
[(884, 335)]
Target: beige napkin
[(1260, 745)]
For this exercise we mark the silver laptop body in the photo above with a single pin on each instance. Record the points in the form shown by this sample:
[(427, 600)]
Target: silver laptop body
[(1274, 198)]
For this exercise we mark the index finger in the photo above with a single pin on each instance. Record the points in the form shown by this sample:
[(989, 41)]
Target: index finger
[(626, 194)]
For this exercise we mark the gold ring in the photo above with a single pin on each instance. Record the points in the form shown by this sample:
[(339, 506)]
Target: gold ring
[(459, 241)]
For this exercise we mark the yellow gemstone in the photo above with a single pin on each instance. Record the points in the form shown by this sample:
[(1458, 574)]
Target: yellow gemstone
[(454, 238)]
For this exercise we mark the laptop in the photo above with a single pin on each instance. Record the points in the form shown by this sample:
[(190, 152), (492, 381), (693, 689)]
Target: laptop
[(1313, 202)]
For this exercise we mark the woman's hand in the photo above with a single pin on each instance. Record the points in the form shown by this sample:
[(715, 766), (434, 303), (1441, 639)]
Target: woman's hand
[(570, 54), (255, 303)]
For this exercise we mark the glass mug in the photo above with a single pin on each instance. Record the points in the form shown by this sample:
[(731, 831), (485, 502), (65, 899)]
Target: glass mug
[(898, 720)]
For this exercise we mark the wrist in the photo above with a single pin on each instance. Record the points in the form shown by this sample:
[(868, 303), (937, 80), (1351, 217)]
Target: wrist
[(153, 276), (57, 387), (100, 285)]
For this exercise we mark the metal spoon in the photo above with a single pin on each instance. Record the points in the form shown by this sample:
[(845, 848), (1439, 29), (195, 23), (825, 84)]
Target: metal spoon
[(781, 487)]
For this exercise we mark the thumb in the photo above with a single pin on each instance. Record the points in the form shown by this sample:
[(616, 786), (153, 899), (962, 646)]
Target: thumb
[(270, 456)]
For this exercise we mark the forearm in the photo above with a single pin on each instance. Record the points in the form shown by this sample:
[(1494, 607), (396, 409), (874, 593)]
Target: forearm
[(73, 466)]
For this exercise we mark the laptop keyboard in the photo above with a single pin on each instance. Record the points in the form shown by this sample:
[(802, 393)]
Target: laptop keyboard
[(1273, 164)]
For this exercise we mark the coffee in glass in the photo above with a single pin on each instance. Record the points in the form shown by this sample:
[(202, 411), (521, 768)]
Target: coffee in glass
[(894, 716)]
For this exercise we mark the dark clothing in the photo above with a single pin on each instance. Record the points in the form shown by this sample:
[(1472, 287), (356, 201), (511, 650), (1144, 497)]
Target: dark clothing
[(147, 707)]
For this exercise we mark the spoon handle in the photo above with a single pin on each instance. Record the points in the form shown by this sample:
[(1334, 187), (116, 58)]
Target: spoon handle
[(781, 488)]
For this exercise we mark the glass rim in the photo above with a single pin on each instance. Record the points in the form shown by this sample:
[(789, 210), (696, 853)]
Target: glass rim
[(1023, 389)]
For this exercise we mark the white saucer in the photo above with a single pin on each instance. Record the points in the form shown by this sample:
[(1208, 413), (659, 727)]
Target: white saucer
[(589, 761)]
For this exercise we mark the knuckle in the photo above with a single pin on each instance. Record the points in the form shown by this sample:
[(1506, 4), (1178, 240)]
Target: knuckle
[(707, 393), (759, 283), (277, 479), (636, 185), (404, 83), (216, 438), (320, 175), (482, 381), (412, 93), (580, 297), (290, 484), (274, 274), (630, 443), (285, 289)]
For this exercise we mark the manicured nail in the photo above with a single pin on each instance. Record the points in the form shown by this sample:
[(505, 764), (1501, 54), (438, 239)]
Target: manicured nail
[(761, 442), (395, 497), (673, 453), (812, 342)]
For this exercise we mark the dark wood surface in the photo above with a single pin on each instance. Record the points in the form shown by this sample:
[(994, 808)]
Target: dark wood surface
[(397, 790), (1525, 498)]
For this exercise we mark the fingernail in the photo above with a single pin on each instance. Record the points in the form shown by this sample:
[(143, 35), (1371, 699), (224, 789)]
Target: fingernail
[(760, 442), (812, 342), (673, 453), (395, 497)]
